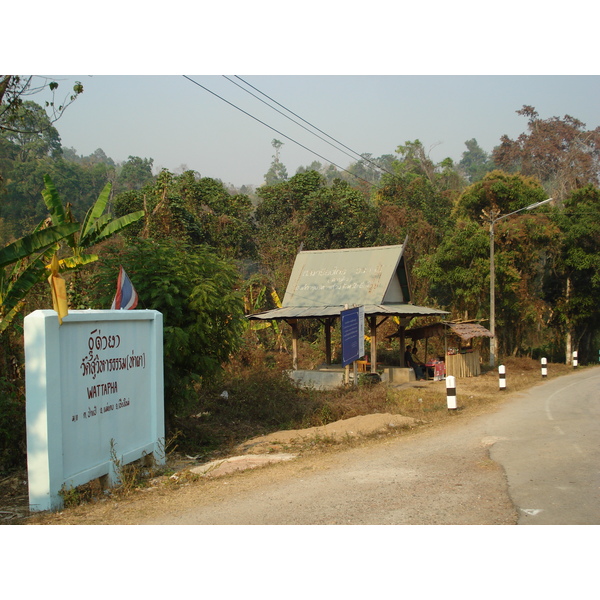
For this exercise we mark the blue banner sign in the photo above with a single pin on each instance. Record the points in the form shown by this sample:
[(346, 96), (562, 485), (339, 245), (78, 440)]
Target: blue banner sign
[(353, 334)]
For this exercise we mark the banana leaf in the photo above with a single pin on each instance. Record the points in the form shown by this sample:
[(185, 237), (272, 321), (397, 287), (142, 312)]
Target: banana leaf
[(34, 242), (95, 236), (95, 212), (53, 203)]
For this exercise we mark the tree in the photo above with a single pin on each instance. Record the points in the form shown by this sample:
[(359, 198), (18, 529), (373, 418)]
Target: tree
[(573, 292), (499, 191), (196, 210), (456, 273), (33, 134), (13, 90), (26, 151), (418, 194), (196, 291), (522, 242), (371, 168), (561, 153), (414, 159), (339, 216), (135, 173), (475, 161), (277, 172)]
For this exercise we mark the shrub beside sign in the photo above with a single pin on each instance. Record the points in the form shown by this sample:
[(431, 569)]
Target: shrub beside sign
[(95, 396)]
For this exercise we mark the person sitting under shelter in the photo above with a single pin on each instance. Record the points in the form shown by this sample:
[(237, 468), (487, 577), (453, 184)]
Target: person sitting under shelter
[(410, 363), (425, 370)]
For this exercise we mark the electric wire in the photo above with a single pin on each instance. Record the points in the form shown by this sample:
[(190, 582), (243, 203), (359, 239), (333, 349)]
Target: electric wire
[(288, 117), (313, 126), (273, 129)]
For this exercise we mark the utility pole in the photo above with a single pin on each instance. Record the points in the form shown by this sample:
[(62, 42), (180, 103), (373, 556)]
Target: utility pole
[(493, 216)]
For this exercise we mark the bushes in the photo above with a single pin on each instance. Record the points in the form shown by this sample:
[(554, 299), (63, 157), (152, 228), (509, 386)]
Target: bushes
[(13, 446), (196, 292)]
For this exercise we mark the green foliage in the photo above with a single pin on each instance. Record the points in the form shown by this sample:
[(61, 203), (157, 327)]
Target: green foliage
[(277, 172), (419, 195), (340, 217), (499, 191), (12, 424), (97, 225), (31, 132), (196, 291), (22, 265), (371, 168), (458, 271), (195, 210), (306, 212), (475, 161), (135, 173), (26, 157), (578, 263)]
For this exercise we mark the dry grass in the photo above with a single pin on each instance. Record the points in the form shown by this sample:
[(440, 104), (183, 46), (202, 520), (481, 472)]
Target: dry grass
[(429, 402)]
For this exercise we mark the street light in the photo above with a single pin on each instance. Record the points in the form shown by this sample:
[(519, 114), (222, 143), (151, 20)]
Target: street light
[(494, 217)]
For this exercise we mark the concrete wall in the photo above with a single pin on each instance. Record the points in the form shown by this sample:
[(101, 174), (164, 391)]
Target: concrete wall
[(95, 397), (318, 380), (397, 375)]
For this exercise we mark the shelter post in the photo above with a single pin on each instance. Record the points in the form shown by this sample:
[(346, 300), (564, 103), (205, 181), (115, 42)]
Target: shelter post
[(402, 340), (327, 326), (373, 326), (294, 325)]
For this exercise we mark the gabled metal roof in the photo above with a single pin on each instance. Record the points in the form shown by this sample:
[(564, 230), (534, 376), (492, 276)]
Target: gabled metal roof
[(353, 276), (323, 282)]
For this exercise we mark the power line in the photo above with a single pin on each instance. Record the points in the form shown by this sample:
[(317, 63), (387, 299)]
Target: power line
[(313, 126), (273, 129), (283, 114)]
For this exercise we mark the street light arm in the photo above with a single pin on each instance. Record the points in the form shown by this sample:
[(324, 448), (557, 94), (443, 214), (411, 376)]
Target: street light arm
[(530, 207)]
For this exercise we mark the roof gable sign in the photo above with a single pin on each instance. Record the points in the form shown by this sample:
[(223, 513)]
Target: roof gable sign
[(352, 276)]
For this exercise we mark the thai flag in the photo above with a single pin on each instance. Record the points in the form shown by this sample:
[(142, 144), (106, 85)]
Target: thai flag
[(126, 297)]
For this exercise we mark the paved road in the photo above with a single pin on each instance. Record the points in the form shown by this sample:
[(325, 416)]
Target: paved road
[(551, 454)]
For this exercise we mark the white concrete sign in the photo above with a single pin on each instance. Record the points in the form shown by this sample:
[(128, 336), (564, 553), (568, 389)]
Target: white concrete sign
[(95, 396)]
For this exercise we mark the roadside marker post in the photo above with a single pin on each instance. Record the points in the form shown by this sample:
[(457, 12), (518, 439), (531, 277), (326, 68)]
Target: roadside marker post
[(451, 392), (574, 359), (502, 377), (544, 367)]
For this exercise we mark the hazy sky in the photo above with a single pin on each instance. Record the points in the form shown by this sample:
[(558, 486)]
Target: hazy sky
[(180, 124), (440, 72)]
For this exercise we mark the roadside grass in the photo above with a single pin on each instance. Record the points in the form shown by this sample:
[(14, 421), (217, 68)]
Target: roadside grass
[(250, 401)]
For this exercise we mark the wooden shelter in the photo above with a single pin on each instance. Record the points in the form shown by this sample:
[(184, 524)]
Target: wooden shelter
[(325, 282), (461, 359)]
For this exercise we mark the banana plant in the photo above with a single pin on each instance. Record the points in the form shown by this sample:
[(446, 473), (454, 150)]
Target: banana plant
[(256, 326), (25, 262), (22, 265), (96, 226)]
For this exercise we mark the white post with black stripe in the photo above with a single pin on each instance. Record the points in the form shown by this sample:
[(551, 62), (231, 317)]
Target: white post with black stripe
[(502, 377), (544, 367), (451, 392), (574, 359)]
